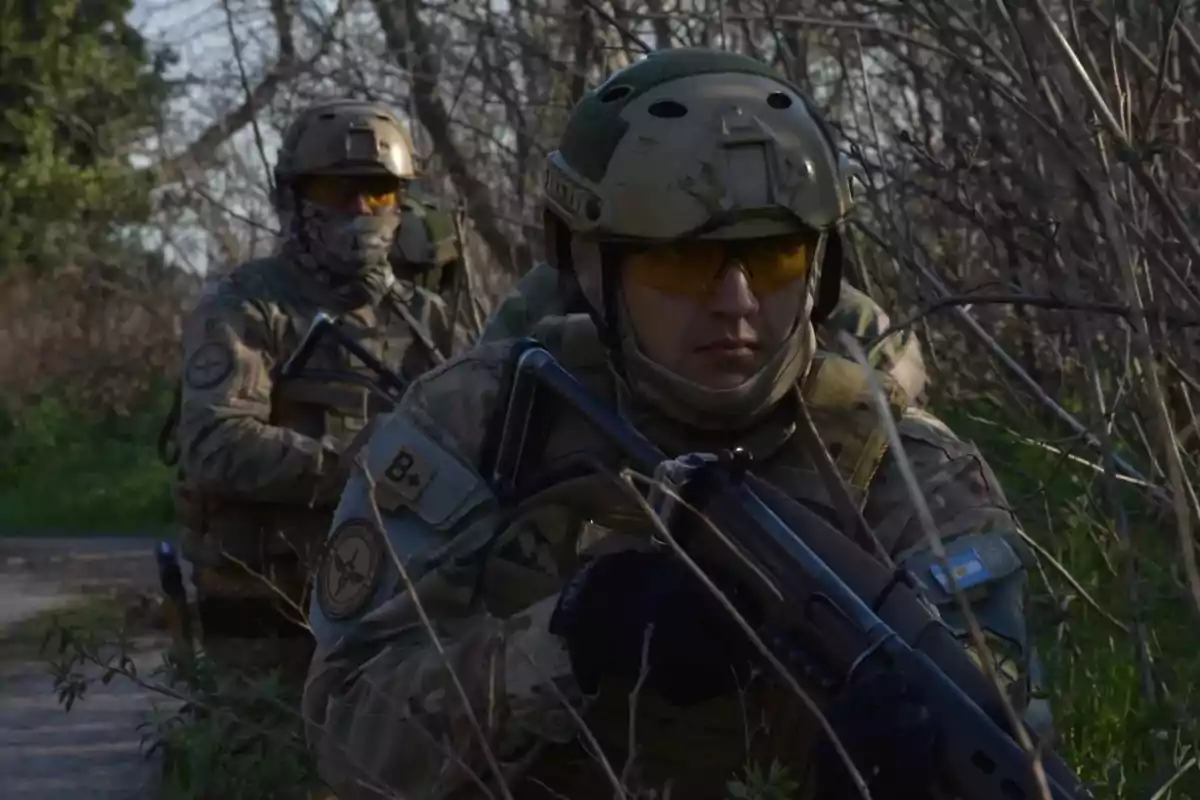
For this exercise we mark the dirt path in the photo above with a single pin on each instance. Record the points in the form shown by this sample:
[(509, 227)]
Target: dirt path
[(93, 751)]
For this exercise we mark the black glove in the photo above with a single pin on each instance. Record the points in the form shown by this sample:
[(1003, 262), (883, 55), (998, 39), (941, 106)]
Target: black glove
[(891, 737), (697, 650)]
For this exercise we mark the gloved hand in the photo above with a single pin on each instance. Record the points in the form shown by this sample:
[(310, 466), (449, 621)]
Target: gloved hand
[(891, 737), (697, 650)]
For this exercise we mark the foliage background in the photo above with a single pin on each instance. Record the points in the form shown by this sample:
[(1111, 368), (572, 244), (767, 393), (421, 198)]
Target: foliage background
[(1030, 206)]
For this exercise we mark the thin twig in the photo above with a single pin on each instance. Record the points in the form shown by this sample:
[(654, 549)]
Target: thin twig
[(643, 674), (627, 478), (434, 639), (929, 527), (237, 56), (1048, 302)]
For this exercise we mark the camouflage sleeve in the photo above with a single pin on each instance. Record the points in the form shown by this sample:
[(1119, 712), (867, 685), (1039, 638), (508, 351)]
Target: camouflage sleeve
[(226, 441), (983, 543), (534, 297), (898, 354), (398, 705)]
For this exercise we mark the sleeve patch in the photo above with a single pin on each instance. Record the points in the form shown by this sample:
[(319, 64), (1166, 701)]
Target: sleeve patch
[(967, 568), (350, 569), (211, 363), (411, 470), (409, 473), (975, 560)]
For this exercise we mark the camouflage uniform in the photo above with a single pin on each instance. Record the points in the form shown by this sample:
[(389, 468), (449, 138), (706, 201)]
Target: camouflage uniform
[(261, 456), (383, 715)]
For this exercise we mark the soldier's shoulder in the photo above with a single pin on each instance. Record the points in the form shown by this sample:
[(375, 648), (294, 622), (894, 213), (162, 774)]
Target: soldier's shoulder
[(483, 364), (250, 281), (918, 424), (244, 299), (455, 401), (426, 468)]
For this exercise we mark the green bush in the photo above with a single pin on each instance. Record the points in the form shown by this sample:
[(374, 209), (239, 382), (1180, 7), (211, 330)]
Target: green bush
[(1127, 723), (69, 469)]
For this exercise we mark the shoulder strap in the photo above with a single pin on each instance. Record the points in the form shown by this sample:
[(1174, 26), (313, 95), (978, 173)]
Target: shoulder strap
[(837, 392), (418, 328)]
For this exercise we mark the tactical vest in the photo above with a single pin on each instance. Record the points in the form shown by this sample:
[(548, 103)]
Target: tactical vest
[(327, 399), (330, 395), (703, 747)]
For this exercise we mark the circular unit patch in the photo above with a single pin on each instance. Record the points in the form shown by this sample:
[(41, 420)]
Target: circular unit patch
[(209, 365), (350, 570)]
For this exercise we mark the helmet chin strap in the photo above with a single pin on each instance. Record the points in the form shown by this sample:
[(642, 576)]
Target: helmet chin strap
[(673, 394)]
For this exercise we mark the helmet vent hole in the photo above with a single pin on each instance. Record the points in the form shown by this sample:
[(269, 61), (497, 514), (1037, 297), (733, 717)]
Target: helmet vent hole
[(668, 109), (327, 115), (779, 100), (615, 93)]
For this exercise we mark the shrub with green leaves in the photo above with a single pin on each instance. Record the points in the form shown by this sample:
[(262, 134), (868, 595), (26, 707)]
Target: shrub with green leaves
[(79, 88)]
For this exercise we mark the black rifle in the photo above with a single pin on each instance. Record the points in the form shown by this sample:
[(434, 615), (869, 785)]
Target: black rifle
[(847, 612), (387, 383)]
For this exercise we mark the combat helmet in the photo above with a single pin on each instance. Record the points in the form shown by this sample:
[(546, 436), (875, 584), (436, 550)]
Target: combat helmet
[(343, 138), (690, 144), (762, 163)]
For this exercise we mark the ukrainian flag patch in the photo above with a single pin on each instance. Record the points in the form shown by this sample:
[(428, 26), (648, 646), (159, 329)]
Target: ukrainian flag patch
[(967, 567)]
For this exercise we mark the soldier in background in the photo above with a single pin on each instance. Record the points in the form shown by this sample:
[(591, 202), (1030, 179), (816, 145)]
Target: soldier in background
[(426, 250), (262, 457)]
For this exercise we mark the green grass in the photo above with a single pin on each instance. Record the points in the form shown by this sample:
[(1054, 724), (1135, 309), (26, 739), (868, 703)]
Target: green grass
[(67, 470), (1112, 732)]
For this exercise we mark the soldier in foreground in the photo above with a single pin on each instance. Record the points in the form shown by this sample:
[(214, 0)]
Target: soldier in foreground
[(263, 459), (696, 199)]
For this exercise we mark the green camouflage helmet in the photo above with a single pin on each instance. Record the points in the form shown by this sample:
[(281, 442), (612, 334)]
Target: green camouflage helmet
[(753, 158), (344, 137), (426, 245)]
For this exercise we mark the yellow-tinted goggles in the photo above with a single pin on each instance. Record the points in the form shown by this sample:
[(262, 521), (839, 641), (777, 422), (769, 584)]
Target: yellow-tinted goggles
[(375, 194), (695, 267)]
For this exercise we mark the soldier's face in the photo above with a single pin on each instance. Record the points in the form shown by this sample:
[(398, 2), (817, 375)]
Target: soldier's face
[(713, 312)]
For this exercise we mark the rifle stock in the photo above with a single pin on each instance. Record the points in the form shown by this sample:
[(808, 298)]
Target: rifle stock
[(842, 606)]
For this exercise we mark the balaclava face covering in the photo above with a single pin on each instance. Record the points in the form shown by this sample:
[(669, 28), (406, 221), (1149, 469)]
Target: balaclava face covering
[(346, 251)]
